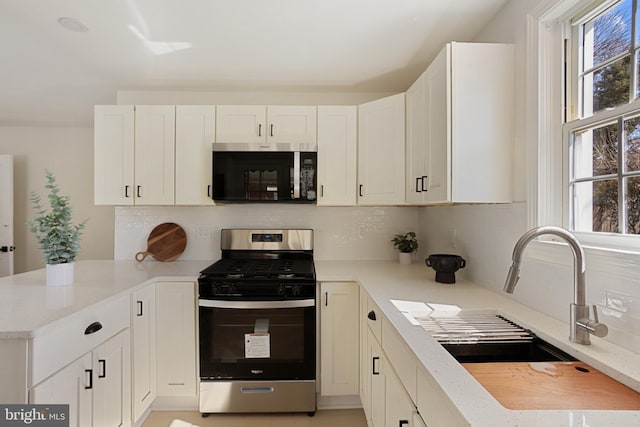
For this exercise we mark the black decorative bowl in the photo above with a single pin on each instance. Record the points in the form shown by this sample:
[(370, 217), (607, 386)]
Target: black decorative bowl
[(445, 266)]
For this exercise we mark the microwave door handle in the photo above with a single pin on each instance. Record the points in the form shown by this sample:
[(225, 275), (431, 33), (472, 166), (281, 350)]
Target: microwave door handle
[(296, 175)]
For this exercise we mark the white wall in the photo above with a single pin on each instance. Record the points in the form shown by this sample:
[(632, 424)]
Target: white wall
[(68, 153)]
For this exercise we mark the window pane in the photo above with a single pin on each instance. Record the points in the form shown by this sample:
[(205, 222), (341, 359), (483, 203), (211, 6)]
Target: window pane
[(608, 87), (596, 206), (607, 35), (632, 204), (632, 144), (595, 152)]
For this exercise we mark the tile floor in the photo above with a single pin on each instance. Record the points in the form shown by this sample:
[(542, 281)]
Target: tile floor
[(322, 418)]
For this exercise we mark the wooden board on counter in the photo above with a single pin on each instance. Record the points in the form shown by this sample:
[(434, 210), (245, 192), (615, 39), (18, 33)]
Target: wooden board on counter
[(553, 385)]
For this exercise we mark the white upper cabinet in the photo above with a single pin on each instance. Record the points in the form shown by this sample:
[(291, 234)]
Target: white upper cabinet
[(258, 124), (291, 124), (460, 127), (337, 155), (241, 123), (195, 132), (113, 150), (381, 151), (154, 154), (134, 155)]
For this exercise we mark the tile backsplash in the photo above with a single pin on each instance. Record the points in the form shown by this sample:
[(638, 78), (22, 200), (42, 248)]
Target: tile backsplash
[(341, 233)]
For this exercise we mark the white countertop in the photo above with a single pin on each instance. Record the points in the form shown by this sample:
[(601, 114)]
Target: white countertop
[(389, 280), (27, 307), (27, 304)]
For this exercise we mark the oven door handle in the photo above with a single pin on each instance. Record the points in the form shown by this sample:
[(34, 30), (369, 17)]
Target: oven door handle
[(256, 304)]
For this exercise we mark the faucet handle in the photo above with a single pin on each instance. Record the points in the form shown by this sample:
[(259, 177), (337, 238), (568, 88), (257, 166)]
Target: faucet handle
[(594, 326)]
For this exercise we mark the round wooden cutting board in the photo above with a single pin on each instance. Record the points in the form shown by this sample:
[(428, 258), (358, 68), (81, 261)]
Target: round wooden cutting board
[(165, 243)]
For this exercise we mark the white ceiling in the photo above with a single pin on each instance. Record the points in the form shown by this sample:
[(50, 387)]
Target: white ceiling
[(50, 75)]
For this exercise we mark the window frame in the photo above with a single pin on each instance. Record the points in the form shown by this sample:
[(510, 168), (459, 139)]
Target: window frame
[(547, 148), (572, 30)]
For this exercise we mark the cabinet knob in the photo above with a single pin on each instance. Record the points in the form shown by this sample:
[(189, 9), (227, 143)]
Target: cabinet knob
[(93, 328), (371, 315)]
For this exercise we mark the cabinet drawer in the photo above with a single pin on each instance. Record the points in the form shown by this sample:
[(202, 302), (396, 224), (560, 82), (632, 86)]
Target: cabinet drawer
[(401, 358), (65, 340)]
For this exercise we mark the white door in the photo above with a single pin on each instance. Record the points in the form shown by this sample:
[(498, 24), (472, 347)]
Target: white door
[(112, 382), (438, 144), (337, 155), (381, 177), (143, 348), (113, 154), (416, 141), (71, 386), (241, 124), (291, 124), (339, 341), (154, 155), (6, 215), (195, 133), (176, 339)]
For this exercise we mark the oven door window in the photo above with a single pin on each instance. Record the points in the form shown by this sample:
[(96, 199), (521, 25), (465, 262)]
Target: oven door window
[(257, 343)]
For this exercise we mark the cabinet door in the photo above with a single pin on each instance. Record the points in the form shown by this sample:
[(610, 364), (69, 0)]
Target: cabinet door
[(365, 372), (71, 385), (195, 133), (377, 365), (381, 151), (176, 338), (437, 127), (399, 409), (337, 155), (241, 124), (143, 349), (416, 141), (481, 122), (113, 154), (154, 155), (339, 316), (112, 382), (291, 124)]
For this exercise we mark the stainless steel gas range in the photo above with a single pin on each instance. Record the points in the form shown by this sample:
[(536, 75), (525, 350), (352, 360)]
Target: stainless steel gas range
[(257, 321)]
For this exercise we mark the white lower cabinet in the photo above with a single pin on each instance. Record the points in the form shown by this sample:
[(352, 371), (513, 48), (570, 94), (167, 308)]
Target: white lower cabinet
[(96, 386), (339, 363), (70, 386), (176, 339), (399, 408), (143, 349)]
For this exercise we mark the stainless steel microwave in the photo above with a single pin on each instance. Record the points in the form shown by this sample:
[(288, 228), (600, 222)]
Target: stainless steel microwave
[(264, 173)]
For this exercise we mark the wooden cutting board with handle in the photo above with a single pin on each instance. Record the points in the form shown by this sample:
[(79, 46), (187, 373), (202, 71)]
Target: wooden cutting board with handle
[(166, 242)]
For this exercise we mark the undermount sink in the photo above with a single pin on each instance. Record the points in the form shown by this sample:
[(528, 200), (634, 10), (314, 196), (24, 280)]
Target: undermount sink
[(481, 337), (535, 350)]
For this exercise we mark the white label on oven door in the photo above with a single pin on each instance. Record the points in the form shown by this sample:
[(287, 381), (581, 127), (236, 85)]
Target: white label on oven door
[(257, 345)]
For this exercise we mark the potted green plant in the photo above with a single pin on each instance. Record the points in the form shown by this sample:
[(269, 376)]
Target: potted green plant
[(407, 244), (57, 236)]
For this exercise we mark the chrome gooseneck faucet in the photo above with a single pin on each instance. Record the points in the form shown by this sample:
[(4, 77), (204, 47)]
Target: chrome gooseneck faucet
[(580, 323)]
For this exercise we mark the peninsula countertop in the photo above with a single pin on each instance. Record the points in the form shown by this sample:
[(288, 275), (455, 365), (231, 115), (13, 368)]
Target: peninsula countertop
[(27, 307)]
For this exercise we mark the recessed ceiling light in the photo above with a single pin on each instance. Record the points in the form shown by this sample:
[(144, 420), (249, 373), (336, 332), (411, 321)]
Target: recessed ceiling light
[(73, 24)]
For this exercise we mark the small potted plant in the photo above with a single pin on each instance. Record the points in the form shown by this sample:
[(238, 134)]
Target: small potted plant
[(57, 236), (407, 244)]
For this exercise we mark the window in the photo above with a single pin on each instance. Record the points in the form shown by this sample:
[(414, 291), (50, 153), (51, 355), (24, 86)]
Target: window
[(602, 129)]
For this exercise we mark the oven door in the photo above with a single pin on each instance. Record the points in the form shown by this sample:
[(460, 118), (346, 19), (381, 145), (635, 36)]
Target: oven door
[(257, 340)]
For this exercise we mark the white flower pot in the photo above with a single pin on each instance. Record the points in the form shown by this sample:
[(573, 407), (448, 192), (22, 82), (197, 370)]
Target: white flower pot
[(405, 257), (60, 274)]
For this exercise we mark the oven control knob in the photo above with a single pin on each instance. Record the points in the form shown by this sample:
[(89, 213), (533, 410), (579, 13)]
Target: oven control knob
[(295, 290), (282, 291)]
